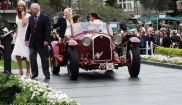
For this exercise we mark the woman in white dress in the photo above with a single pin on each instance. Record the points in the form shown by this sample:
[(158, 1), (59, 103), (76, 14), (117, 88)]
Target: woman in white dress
[(20, 49)]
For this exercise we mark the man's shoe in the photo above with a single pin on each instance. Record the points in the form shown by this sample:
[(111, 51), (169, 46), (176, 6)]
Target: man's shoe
[(33, 76), (48, 77)]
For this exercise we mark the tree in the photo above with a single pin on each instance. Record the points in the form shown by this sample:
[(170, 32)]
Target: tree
[(111, 3), (148, 3), (161, 5), (107, 13), (46, 8), (175, 10)]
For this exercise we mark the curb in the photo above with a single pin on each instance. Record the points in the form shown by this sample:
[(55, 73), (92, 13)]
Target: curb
[(167, 65)]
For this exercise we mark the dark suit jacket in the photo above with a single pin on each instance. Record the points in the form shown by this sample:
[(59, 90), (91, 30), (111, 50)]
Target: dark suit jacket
[(41, 33), (158, 41), (61, 23), (166, 41), (52, 38)]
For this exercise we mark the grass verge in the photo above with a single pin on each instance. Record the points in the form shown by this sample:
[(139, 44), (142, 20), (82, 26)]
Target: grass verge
[(14, 64)]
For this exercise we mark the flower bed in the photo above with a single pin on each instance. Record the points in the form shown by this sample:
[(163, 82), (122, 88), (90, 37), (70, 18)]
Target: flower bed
[(163, 59), (27, 91)]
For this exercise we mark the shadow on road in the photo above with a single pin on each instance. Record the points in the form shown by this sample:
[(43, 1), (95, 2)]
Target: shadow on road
[(97, 75), (134, 79)]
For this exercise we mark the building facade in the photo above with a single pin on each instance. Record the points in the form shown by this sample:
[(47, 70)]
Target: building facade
[(179, 4), (131, 6)]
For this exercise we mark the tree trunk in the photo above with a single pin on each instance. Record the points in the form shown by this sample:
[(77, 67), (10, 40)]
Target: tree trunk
[(175, 10), (69, 3)]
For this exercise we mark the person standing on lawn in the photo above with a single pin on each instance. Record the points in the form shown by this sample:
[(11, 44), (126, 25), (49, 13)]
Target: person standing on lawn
[(20, 49), (37, 38)]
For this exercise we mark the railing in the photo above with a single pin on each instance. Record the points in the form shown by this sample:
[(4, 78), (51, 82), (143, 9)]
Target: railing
[(148, 48)]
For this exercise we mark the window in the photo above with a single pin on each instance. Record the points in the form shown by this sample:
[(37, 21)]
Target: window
[(120, 6), (124, 5), (130, 6)]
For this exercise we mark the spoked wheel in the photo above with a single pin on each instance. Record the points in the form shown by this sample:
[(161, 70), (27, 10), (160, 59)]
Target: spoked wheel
[(133, 55), (72, 63)]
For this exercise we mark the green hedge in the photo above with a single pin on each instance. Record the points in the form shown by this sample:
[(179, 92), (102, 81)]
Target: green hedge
[(168, 51), (9, 86), (17, 92)]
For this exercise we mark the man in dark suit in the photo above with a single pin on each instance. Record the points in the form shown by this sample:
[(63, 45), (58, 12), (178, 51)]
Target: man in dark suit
[(54, 36), (61, 24), (37, 38)]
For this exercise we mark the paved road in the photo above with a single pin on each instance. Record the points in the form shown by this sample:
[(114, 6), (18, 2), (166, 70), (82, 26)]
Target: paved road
[(155, 86)]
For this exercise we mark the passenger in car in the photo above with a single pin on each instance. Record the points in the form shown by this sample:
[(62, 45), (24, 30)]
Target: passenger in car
[(76, 19), (94, 17), (63, 22)]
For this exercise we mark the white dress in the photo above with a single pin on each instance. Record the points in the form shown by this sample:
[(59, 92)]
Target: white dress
[(20, 49)]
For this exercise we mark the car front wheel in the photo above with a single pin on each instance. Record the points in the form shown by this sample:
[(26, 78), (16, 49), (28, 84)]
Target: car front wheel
[(72, 63), (133, 55)]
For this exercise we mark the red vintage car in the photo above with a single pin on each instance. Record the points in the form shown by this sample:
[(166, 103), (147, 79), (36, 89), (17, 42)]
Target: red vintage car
[(92, 46)]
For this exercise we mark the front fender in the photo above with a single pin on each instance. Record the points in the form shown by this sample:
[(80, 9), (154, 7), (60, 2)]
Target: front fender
[(55, 47), (134, 39), (72, 42)]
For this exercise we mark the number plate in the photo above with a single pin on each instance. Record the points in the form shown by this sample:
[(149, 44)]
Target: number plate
[(106, 66)]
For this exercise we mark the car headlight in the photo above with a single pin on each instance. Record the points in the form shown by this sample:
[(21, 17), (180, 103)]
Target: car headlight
[(86, 41), (117, 39)]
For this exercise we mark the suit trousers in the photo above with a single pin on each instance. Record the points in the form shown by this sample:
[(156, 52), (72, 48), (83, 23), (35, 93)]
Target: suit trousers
[(44, 56)]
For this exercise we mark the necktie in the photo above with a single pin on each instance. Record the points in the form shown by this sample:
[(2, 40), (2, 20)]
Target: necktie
[(35, 21)]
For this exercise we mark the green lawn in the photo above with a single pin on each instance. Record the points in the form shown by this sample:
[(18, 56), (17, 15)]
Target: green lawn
[(14, 64)]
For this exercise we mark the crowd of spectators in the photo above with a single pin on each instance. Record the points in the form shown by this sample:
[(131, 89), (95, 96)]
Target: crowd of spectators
[(164, 36), (11, 4)]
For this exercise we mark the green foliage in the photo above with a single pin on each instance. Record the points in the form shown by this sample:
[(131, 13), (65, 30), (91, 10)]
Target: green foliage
[(47, 10), (22, 97), (107, 13), (26, 97), (16, 91), (168, 51), (9, 86), (65, 103), (163, 5), (43, 1), (111, 3)]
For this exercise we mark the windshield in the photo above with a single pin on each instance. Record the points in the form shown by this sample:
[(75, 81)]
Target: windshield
[(102, 27)]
